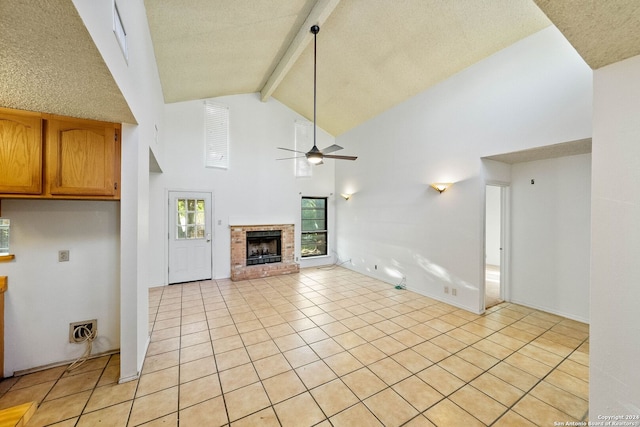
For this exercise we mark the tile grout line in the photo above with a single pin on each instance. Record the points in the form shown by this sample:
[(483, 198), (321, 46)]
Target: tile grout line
[(324, 293), (442, 333), (540, 381), (252, 365)]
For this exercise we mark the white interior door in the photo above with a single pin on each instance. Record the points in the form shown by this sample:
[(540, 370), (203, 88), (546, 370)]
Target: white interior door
[(189, 236)]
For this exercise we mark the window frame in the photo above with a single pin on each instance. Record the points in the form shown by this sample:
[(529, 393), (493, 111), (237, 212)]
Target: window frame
[(324, 231), (120, 32), (190, 222), (216, 138)]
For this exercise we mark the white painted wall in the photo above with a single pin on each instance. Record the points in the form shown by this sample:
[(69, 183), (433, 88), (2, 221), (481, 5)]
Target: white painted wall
[(137, 76), (615, 242), (44, 295), (536, 92), (550, 235), (492, 225), (138, 80), (255, 189)]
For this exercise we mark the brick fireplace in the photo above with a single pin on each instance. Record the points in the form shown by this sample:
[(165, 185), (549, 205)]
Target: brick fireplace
[(245, 264)]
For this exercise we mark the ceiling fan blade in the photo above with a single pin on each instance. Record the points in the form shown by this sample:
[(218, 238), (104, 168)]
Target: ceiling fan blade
[(288, 158), (289, 149), (340, 157), (331, 149)]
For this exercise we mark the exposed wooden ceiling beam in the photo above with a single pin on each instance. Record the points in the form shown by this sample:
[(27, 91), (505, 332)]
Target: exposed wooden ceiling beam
[(317, 16)]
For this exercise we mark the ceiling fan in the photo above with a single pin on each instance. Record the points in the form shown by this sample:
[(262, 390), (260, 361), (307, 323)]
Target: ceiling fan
[(316, 155)]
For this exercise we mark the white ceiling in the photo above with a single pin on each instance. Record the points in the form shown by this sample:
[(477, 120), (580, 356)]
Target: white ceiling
[(372, 54)]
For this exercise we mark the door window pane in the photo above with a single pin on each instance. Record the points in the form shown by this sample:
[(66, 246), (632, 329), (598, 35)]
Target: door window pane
[(190, 216)]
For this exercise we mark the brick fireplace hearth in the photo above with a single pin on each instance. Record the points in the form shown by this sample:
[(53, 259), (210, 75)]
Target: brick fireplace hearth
[(239, 268)]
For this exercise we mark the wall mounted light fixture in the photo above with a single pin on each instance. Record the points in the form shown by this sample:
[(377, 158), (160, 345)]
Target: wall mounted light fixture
[(346, 196), (441, 186)]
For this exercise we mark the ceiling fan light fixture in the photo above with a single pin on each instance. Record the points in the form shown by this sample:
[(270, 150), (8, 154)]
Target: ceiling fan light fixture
[(314, 158)]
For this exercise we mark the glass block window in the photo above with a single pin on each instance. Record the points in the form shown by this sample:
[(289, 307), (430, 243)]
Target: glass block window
[(216, 135), (314, 226), (190, 219)]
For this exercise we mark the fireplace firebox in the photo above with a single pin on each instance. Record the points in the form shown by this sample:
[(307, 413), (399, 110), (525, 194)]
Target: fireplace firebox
[(264, 247)]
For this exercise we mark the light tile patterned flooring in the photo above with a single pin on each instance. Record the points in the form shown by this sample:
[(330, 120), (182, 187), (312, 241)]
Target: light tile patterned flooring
[(325, 347)]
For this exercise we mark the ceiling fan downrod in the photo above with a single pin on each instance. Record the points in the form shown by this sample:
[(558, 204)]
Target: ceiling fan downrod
[(314, 156)]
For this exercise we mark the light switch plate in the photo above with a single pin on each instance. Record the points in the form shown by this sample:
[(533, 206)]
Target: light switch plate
[(63, 255)]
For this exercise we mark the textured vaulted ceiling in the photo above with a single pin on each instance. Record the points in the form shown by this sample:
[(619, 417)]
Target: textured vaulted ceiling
[(372, 54), (49, 63), (602, 31)]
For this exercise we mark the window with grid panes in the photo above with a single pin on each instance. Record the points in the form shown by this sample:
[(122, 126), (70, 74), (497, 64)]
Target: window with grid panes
[(190, 219), (314, 226)]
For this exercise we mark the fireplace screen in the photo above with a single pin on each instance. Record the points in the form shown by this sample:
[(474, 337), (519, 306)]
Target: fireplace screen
[(264, 247)]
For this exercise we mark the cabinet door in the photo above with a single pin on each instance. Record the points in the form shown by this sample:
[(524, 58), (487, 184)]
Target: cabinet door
[(82, 158), (20, 153)]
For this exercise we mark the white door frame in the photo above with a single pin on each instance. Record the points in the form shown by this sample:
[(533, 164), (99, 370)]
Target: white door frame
[(505, 259), (505, 254), (209, 235)]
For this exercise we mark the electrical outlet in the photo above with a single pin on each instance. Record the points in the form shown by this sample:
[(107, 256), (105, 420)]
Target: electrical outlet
[(454, 292), (446, 289), (82, 331), (63, 255)]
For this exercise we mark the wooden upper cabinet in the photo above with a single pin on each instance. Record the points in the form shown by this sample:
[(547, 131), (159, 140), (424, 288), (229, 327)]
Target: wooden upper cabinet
[(56, 157), (20, 152), (83, 158)]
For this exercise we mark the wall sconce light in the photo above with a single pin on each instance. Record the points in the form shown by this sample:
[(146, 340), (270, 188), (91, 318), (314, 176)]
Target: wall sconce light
[(441, 186), (346, 196)]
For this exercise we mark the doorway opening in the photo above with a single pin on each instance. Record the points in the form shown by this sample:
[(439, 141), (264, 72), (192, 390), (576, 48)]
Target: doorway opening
[(494, 267)]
